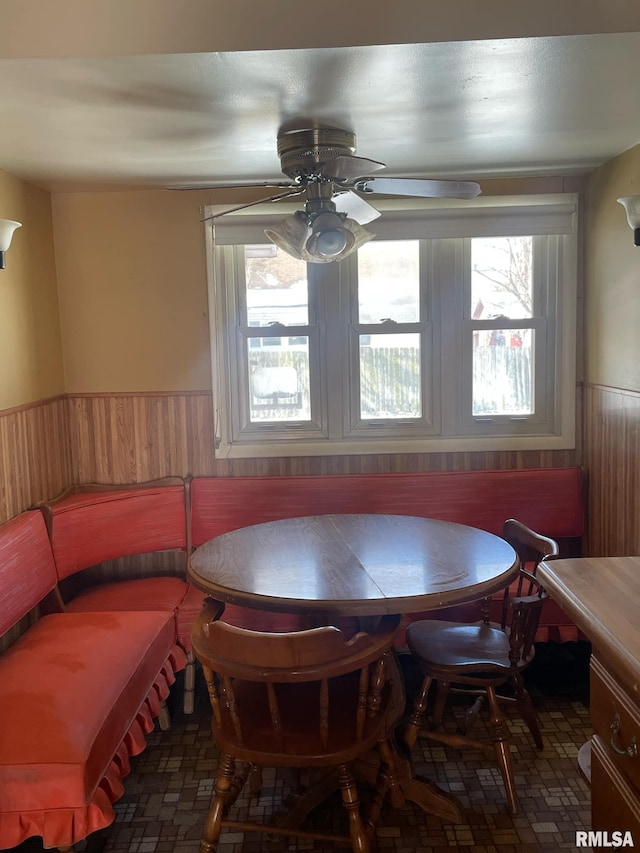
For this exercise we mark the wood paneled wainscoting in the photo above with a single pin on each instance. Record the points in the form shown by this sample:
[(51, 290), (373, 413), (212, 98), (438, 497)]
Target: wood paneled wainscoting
[(35, 458), (612, 455), (121, 438), (133, 437), (129, 438)]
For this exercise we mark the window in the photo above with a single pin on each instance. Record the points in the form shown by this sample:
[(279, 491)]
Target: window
[(454, 329)]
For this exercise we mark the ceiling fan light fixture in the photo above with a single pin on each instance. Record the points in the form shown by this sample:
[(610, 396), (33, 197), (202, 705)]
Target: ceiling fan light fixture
[(360, 234), (291, 234), (329, 238), (329, 243), (351, 234)]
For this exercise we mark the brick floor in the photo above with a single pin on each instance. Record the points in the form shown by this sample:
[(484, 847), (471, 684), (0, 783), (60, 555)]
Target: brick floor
[(169, 789)]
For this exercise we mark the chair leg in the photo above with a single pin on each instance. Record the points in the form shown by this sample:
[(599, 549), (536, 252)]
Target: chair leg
[(255, 779), (528, 712), (388, 761), (501, 745), (213, 823), (442, 694), (379, 795), (188, 700), (357, 832), (419, 708), (164, 718)]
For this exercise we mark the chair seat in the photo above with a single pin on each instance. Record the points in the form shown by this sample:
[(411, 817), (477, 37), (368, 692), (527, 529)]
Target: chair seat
[(444, 645)]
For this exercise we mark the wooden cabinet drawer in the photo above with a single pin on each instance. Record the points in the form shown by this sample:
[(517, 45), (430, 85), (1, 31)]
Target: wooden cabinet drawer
[(616, 723), (614, 805)]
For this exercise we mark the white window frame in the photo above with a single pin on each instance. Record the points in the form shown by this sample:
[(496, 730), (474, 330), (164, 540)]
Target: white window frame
[(443, 226)]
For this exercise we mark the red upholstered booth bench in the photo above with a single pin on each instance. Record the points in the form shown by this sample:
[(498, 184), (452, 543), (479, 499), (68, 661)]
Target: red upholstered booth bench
[(78, 692), (92, 524), (549, 500), (79, 688)]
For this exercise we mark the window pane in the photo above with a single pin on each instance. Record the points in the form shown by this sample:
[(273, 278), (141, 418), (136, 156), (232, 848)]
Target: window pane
[(279, 379), (390, 381), (277, 290), (501, 277), (389, 281), (502, 372)]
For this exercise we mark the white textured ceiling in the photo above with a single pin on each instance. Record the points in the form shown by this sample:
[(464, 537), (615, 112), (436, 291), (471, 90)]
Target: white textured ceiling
[(516, 106)]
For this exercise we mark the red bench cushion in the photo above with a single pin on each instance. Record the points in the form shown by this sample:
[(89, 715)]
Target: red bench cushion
[(155, 593), (548, 500), (27, 570), (73, 690), (91, 527)]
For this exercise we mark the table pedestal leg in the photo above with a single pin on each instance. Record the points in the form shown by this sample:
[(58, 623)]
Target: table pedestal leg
[(423, 792), (417, 789), (301, 802)]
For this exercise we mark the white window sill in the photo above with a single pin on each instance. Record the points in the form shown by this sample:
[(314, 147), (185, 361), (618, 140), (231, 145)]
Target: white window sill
[(426, 445)]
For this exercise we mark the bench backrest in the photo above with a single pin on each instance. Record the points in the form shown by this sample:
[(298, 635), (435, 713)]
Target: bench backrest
[(548, 500), (89, 527), (27, 570)]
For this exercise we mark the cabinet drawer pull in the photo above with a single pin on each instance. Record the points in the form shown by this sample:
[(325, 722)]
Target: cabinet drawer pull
[(630, 751)]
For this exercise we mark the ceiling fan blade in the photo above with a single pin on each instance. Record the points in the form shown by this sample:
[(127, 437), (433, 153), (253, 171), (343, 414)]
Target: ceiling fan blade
[(255, 185), (345, 167), (355, 207), (419, 187), (277, 197)]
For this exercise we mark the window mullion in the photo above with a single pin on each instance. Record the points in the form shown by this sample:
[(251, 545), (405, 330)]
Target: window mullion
[(451, 273), (332, 351), (237, 309)]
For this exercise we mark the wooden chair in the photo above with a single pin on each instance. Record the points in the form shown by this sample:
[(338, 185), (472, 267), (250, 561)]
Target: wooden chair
[(478, 658), (307, 699)]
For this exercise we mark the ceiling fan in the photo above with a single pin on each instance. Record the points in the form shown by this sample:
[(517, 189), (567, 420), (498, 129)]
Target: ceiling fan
[(320, 163)]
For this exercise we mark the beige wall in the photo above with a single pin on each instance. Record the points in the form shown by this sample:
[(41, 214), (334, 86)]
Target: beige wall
[(30, 346), (132, 285), (612, 265), (612, 358), (133, 291)]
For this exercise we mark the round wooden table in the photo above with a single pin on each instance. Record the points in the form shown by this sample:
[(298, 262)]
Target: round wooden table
[(364, 566), (353, 565)]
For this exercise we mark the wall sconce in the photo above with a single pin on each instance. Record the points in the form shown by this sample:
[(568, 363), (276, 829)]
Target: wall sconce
[(7, 227), (631, 204)]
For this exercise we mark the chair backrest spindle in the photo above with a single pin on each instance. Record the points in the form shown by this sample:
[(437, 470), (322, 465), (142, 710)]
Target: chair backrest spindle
[(324, 712), (214, 698), (230, 702), (363, 692), (276, 717), (377, 683)]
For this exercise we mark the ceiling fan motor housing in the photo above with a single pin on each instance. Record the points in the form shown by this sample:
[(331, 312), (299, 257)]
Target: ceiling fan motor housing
[(303, 152)]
